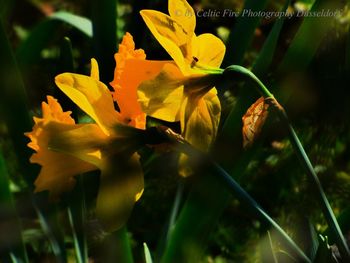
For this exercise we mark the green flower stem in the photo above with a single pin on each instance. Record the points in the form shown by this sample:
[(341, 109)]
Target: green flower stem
[(236, 69), (303, 158), (236, 190)]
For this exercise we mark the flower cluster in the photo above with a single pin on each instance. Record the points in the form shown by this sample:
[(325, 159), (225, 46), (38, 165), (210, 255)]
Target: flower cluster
[(179, 90)]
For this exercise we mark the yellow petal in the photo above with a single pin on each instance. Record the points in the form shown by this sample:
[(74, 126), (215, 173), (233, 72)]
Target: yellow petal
[(134, 72), (199, 122), (84, 141), (161, 97), (121, 185), (183, 13), (209, 50), (91, 96), (58, 171), (174, 38), (95, 73)]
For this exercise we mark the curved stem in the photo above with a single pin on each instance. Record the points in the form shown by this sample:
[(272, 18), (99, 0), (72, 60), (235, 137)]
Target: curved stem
[(303, 158), (236, 69)]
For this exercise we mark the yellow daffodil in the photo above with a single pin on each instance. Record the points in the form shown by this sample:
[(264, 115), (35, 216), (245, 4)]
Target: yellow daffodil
[(65, 149), (184, 89)]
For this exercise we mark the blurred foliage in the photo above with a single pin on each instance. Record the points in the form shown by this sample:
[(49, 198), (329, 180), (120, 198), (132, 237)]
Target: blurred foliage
[(318, 106)]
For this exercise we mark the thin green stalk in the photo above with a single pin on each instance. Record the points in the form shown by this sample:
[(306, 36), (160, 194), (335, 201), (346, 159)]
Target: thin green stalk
[(55, 246), (303, 158), (79, 253), (175, 209), (236, 190), (236, 69), (169, 226)]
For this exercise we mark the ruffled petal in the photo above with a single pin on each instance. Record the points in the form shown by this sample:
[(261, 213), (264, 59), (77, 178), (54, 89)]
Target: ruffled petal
[(162, 96), (209, 50), (92, 96), (121, 185), (199, 122), (58, 170), (171, 35), (126, 51)]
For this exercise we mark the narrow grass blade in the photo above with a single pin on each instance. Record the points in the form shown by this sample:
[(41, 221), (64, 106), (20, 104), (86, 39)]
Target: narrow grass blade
[(344, 222), (81, 23), (14, 108), (76, 209), (66, 56), (242, 33), (104, 35), (148, 257), (267, 253), (313, 241), (166, 234), (175, 208), (66, 64), (57, 248), (250, 203), (304, 160), (317, 189), (79, 241), (196, 221), (308, 38), (264, 60), (227, 182), (76, 215), (10, 229), (30, 49)]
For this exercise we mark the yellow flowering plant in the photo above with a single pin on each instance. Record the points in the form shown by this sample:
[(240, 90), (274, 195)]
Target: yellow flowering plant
[(65, 149), (184, 89), (181, 90)]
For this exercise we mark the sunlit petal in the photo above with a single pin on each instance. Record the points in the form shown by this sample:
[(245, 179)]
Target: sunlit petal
[(91, 96), (170, 34), (200, 123), (209, 50), (162, 96), (83, 141), (183, 13)]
